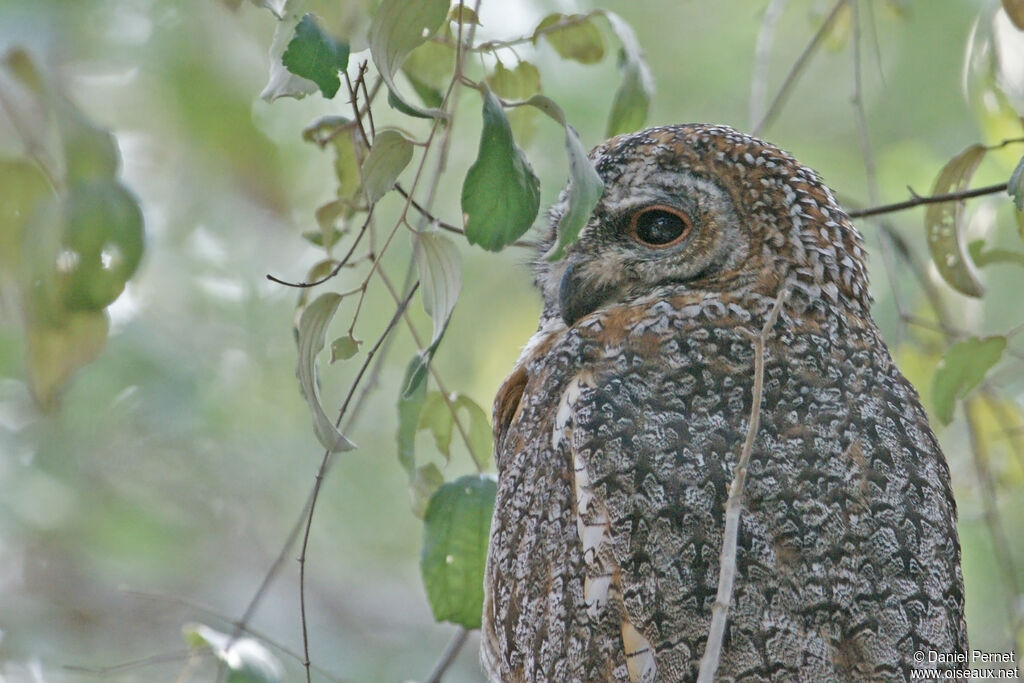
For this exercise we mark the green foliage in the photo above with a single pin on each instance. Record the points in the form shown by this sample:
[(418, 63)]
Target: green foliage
[(440, 269), (1015, 187), (410, 404), (398, 28), (344, 348), (312, 327), (633, 98), (944, 223), (315, 55), (962, 368), (390, 154), (585, 185), (72, 234), (456, 531), (573, 36), (501, 194)]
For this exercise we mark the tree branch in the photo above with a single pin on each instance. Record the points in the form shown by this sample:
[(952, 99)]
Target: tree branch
[(324, 462), (918, 200), (798, 67), (448, 656), (734, 503)]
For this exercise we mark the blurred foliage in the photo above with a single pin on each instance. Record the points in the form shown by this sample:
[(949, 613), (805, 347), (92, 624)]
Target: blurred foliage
[(155, 447)]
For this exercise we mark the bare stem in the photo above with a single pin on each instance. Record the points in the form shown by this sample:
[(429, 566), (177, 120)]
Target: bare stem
[(918, 200), (994, 520), (798, 67), (762, 52), (322, 470), (448, 656), (733, 505)]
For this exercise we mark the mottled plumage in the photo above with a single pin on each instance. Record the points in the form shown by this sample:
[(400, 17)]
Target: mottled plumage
[(618, 431)]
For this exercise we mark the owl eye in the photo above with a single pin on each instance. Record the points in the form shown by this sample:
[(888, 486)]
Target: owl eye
[(659, 226)]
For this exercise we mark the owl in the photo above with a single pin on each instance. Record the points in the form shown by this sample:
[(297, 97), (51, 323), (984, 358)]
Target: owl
[(621, 425)]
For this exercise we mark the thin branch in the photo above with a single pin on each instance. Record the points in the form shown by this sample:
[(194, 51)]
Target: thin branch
[(529, 244), (733, 505), (324, 462), (762, 52), (798, 67), (341, 264), (448, 656), (214, 614), (993, 518), (918, 200), (142, 662), (567, 22), (870, 173)]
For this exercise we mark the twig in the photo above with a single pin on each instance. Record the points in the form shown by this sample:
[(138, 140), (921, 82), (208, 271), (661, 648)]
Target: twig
[(529, 244), (214, 614), (448, 656), (341, 264), (324, 462), (565, 23), (798, 67), (870, 174), (762, 51), (918, 200), (734, 503), (142, 662), (993, 519)]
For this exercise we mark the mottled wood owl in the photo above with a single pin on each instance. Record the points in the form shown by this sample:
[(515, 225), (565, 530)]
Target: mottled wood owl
[(619, 429)]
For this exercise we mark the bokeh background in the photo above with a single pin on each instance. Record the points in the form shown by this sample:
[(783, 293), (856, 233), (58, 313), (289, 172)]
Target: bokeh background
[(162, 488)]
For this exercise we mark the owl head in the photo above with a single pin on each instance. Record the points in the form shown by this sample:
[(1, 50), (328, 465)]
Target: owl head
[(705, 209)]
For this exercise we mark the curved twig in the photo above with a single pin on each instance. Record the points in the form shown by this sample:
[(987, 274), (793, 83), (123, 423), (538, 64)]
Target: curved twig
[(322, 470), (727, 564)]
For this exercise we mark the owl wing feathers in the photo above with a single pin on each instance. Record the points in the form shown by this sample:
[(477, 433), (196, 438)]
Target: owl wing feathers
[(847, 560)]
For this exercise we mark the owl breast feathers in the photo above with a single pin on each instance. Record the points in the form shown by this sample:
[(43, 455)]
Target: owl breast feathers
[(620, 426)]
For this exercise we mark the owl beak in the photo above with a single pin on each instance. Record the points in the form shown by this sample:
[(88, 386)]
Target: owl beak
[(577, 297)]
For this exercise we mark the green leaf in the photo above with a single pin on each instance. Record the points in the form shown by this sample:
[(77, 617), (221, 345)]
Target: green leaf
[(410, 403), (390, 154), (573, 36), (1015, 188), (456, 532), (398, 28), (519, 83), (57, 351), (461, 14), (103, 244), (982, 258), (422, 486), (437, 417), (429, 69), (23, 186), (501, 194), (247, 660), (944, 224), (481, 439), (962, 368), (90, 152), (312, 326), (282, 82), (633, 98), (344, 348), (440, 270), (585, 185), (314, 54)]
